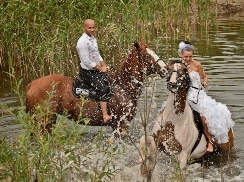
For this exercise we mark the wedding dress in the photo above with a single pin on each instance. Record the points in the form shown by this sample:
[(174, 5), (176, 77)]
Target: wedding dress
[(218, 117)]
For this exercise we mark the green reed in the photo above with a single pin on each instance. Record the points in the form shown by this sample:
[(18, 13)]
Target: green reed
[(35, 155), (39, 37)]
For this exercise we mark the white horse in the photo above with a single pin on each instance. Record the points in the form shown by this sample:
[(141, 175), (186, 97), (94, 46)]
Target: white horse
[(175, 131)]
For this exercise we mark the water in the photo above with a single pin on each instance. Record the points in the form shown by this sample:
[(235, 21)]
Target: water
[(221, 53)]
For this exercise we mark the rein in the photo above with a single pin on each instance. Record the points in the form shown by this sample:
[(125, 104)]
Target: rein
[(197, 93), (197, 122)]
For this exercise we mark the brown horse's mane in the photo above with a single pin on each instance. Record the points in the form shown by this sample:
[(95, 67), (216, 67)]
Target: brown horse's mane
[(124, 74)]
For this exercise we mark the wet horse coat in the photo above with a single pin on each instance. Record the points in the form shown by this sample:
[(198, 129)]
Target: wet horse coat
[(127, 83), (174, 130)]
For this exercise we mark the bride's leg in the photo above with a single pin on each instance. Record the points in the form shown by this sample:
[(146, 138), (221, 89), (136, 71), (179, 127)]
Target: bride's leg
[(205, 130)]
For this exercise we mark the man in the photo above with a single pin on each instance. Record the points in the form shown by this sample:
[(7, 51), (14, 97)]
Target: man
[(92, 67)]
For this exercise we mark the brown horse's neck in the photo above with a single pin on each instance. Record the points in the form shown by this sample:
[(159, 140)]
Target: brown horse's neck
[(130, 75)]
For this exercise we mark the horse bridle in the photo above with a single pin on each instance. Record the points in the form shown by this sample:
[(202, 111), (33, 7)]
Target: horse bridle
[(155, 63), (148, 55), (133, 96), (181, 82)]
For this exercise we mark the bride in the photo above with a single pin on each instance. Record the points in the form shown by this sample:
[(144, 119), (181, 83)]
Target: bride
[(215, 116)]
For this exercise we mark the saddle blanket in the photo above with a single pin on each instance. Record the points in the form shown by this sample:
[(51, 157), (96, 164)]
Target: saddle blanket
[(80, 88)]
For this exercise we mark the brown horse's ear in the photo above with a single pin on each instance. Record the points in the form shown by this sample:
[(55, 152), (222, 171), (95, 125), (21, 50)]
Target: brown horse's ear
[(142, 41), (136, 44)]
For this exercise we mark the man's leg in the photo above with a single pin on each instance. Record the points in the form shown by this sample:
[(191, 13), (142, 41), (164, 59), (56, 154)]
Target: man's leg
[(205, 130), (106, 117)]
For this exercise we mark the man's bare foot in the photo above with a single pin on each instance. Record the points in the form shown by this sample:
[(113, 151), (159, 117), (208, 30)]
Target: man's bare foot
[(106, 118), (210, 147)]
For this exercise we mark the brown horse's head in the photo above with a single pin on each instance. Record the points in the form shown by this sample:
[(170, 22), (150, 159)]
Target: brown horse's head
[(141, 61), (152, 63), (178, 83)]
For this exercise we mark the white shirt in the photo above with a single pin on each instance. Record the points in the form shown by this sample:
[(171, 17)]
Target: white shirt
[(88, 52)]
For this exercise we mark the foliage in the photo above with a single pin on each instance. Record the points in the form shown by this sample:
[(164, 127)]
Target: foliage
[(60, 156), (39, 37)]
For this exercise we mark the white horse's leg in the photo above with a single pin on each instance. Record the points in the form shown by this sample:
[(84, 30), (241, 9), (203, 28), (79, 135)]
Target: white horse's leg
[(182, 158), (147, 157), (151, 148), (157, 123), (142, 150)]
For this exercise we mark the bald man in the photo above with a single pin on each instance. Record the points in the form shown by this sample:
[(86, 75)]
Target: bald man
[(92, 67)]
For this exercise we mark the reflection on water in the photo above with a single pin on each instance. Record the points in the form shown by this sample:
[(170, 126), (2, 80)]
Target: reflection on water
[(7, 123), (221, 52)]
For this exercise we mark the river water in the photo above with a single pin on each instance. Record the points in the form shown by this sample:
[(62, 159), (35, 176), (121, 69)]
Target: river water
[(221, 52)]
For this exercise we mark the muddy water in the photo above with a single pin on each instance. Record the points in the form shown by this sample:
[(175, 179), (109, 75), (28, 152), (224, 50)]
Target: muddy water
[(221, 53)]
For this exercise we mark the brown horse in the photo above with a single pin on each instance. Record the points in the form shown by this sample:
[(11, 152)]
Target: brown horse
[(175, 131), (127, 83)]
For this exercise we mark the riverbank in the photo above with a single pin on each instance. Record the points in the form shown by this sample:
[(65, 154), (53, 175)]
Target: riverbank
[(225, 7)]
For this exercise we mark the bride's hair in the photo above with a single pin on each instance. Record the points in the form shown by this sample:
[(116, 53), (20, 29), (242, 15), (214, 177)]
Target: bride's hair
[(185, 46)]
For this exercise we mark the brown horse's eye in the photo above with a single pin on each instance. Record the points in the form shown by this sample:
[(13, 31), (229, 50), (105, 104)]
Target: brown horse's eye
[(147, 56)]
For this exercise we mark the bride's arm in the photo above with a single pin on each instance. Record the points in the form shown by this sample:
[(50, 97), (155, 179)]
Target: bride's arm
[(203, 75)]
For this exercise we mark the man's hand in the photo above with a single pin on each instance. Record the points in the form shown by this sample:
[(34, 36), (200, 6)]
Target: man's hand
[(102, 68)]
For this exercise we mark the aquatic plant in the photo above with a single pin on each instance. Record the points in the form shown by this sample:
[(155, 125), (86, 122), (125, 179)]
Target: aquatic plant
[(39, 37), (62, 156)]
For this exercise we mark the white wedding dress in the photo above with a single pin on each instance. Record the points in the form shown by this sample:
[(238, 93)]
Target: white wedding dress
[(218, 117)]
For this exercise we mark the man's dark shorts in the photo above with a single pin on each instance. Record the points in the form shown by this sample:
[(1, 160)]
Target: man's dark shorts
[(99, 82)]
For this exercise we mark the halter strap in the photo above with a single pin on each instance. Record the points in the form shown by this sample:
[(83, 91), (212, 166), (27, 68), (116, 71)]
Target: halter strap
[(156, 62)]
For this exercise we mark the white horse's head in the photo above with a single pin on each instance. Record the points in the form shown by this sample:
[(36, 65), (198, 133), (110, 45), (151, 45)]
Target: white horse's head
[(178, 83)]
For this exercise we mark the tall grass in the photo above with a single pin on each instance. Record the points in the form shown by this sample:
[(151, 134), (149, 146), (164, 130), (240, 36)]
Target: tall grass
[(39, 37), (61, 156)]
